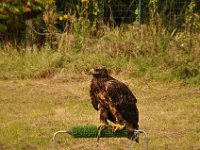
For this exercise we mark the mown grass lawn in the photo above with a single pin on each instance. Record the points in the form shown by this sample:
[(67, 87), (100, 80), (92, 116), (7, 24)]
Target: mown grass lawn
[(32, 110)]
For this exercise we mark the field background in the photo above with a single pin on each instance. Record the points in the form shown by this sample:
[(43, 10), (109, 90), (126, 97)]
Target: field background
[(47, 46), (44, 91), (32, 110)]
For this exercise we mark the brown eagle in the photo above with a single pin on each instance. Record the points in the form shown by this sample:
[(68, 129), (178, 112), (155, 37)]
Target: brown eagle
[(114, 100)]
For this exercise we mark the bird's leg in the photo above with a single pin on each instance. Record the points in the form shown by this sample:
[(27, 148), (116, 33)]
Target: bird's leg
[(120, 122), (103, 113)]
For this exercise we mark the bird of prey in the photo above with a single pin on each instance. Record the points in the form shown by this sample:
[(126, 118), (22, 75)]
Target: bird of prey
[(114, 101)]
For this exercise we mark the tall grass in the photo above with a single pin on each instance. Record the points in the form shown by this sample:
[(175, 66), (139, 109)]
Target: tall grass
[(137, 51)]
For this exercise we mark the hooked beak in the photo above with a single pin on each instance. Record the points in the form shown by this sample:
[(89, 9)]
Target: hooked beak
[(92, 72)]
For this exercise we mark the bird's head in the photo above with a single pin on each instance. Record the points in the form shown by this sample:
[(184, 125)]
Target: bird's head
[(99, 72)]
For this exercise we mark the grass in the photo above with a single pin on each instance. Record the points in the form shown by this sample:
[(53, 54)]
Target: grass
[(139, 51), (32, 110), (45, 64), (47, 90)]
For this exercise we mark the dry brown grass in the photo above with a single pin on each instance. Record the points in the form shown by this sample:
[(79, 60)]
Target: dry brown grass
[(32, 110)]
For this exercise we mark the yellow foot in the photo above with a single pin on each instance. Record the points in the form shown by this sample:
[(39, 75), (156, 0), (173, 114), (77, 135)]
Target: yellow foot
[(116, 126), (102, 125)]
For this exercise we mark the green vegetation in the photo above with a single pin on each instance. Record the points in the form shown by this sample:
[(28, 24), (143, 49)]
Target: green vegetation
[(59, 15), (136, 51), (153, 50)]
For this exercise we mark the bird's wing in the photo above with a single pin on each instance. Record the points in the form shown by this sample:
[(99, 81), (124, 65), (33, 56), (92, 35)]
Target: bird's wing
[(93, 89), (119, 93), (94, 102), (124, 101)]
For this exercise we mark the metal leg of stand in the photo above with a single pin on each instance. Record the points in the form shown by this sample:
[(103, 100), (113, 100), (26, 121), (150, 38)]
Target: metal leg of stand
[(54, 138), (137, 132)]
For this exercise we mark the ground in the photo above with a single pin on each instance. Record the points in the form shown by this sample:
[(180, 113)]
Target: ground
[(32, 110)]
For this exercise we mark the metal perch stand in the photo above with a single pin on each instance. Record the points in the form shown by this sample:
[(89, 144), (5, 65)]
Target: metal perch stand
[(93, 132)]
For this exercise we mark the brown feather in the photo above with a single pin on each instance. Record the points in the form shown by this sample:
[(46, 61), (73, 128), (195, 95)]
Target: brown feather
[(114, 97)]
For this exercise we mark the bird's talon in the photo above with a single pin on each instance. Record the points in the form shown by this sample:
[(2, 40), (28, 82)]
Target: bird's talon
[(102, 125), (118, 127)]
